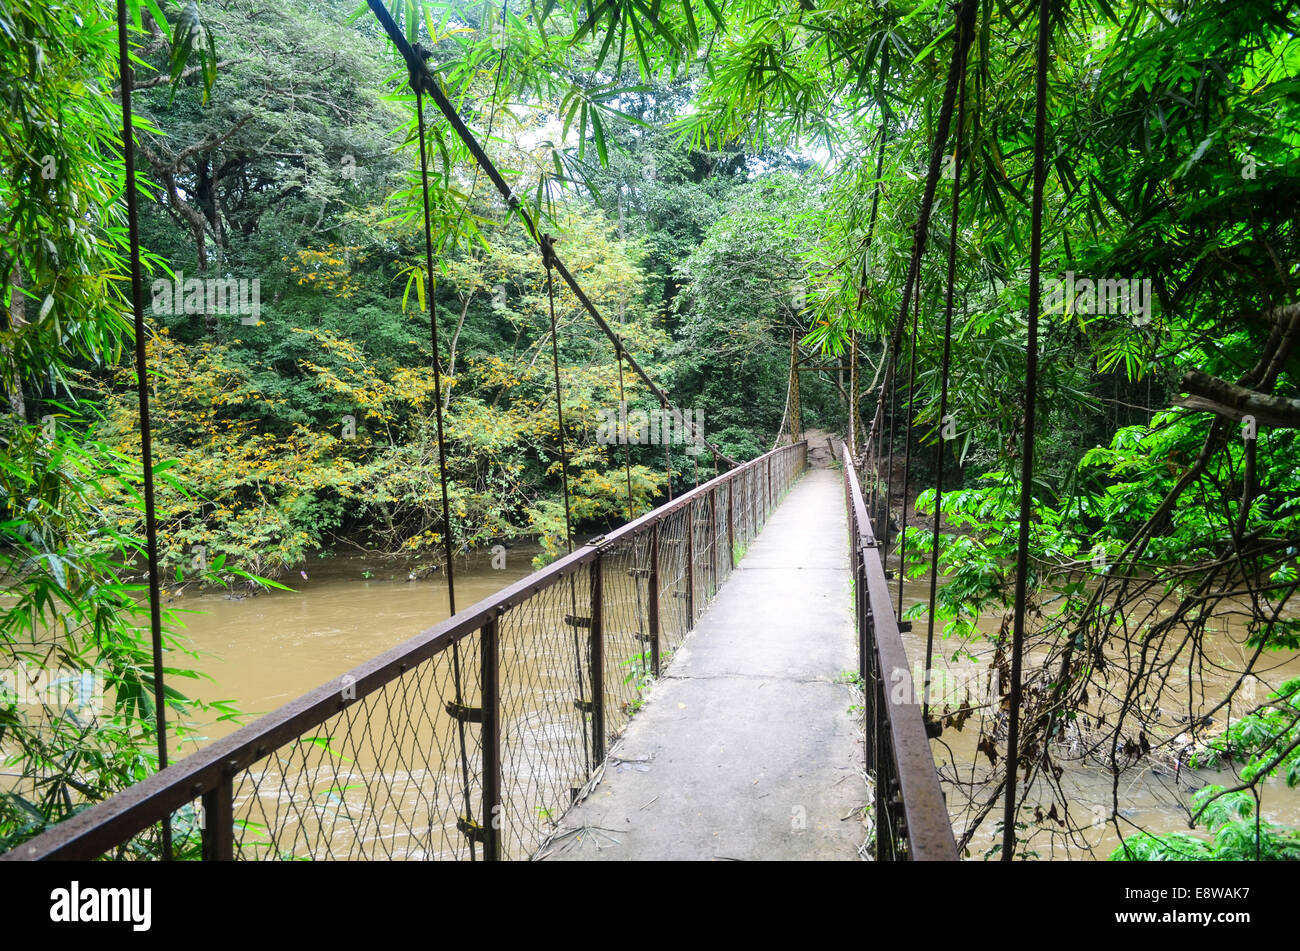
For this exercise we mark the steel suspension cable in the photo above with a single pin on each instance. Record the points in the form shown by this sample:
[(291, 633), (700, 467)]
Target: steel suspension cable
[(548, 249), (437, 360), (893, 435), (448, 550), (1027, 447), (907, 444), (625, 436), (944, 367), (964, 22), (668, 458), (964, 35), (548, 243), (873, 448), (142, 396), (855, 396), (875, 211), (869, 449)]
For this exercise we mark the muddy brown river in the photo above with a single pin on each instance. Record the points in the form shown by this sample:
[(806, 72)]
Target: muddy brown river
[(261, 651)]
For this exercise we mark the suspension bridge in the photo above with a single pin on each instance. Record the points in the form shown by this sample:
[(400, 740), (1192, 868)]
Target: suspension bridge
[(679, 687), (513, 730)]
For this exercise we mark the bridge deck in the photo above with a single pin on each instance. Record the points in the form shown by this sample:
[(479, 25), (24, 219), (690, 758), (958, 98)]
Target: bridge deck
[(746, 748)]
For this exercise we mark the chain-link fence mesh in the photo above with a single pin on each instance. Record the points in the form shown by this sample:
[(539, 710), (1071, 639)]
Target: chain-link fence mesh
[(673, 572), (546, 732), (389, 776)]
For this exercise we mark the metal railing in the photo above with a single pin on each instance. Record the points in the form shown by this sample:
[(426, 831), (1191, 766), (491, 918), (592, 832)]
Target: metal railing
[(469, 740), (911, 818)]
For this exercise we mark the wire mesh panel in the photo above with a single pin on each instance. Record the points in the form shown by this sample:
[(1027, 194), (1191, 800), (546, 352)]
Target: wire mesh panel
[(625, 625), (394, 775), (748, 509), (702, 525), (726, 539), (546, 738), (672, 584), (743, 512), (720, 558)]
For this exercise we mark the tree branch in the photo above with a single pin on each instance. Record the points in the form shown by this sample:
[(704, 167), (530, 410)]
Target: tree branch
[(1222, 398)]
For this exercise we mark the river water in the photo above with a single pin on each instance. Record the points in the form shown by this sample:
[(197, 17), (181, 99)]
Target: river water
[(261, 651)]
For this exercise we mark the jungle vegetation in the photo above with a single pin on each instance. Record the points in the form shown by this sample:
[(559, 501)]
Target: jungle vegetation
[(720, 174)]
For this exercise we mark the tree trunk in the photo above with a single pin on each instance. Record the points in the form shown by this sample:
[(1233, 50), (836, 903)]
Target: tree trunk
[(451, 357), (17, 317)]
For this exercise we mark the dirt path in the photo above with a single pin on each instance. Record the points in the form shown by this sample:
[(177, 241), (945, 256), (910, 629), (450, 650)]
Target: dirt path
[(820, 453)]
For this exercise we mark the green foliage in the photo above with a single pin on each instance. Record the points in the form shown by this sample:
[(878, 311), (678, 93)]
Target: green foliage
[(743, 295), (271, 464), (71, 601), (1238, 835)]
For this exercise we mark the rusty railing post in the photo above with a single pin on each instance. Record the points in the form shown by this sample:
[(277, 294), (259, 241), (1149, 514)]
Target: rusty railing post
[(753, 491), (653, 598), (690, 564), (493, 819), (219, 821), (713, 532), (597, 662), (731, 521), (771, 495)]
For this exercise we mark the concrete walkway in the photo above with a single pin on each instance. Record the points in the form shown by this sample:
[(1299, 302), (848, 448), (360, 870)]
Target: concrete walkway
[(746, 748)]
